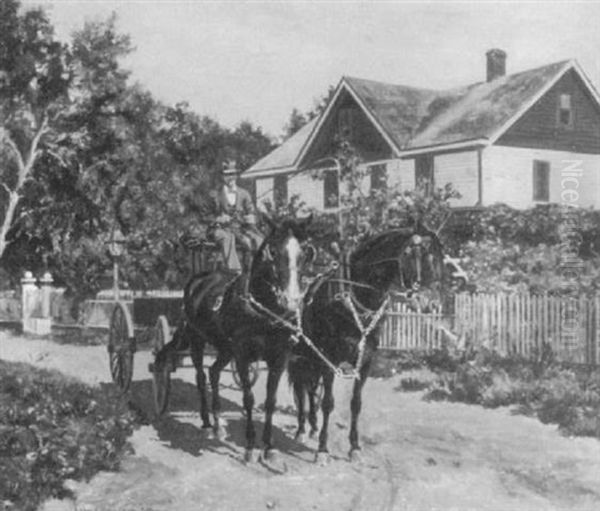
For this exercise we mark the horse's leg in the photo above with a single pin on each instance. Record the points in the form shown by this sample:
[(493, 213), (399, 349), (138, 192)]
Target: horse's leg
[(312, 407), (298, 388), (248, 401), (223, 358), (355, 406), (274, 375), (327, 407), (197, 352)]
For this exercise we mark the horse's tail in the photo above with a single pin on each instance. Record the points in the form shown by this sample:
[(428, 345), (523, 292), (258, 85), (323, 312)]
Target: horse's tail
[(303, 373)]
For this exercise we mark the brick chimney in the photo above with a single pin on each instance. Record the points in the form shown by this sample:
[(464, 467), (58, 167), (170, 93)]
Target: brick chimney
[(496, 64)]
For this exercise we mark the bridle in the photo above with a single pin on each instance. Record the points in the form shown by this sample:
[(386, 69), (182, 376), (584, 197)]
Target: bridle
[(365, 318)]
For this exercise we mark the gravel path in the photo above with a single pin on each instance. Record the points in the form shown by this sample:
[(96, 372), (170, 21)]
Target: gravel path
[(417, 455)]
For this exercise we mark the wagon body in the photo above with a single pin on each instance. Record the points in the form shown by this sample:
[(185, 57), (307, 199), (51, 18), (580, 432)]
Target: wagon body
[(153, 317)]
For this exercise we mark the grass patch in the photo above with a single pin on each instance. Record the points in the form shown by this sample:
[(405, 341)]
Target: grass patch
[(54, 428), (568, 396)]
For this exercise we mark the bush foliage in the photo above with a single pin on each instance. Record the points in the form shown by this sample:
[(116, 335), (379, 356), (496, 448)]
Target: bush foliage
[(504, 249), (568, 396), (53, 429)]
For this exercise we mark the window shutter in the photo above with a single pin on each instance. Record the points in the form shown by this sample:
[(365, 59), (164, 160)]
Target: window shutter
[(378, 176), (424, 172), (565, 111), (541, 181), (280, 190), (331, 189)]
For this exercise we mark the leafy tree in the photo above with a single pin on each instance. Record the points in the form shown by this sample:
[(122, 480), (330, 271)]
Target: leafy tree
[(295, 122), (34, 80), (298, 119), (365, 212), (96, 153)]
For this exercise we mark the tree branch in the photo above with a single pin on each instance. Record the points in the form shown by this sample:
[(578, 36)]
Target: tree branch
[(33, 148), (5, 186), (13, 146)]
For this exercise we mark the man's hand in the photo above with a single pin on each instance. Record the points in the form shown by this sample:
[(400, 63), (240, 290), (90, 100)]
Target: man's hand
[(250, 219), (223, 219)]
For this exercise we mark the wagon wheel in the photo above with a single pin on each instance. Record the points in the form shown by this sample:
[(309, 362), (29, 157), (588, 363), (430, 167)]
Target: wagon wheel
[(252, 373), (121, 346), (161, 373)]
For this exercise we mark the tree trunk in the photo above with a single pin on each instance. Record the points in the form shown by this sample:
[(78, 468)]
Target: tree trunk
[(24, 170)]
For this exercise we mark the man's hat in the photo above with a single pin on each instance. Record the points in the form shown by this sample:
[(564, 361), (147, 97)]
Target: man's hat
[(230, 169)]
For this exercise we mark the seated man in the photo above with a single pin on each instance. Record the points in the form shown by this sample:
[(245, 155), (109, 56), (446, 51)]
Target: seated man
[(235, 220)]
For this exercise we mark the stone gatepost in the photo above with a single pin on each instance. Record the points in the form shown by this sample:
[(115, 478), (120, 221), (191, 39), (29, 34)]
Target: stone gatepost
[(46, 291), (29, 301), (36, 304)]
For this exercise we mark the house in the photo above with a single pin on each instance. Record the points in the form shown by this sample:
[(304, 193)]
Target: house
[(521, 139)]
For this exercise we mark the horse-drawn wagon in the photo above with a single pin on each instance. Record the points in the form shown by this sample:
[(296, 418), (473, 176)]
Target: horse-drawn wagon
[(152, 319)]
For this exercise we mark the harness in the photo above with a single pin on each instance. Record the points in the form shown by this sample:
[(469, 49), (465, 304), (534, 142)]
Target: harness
[(365, 319), (351, 303)]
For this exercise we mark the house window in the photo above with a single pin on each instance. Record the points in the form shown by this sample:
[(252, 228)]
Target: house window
[(378, 176), (331, 189), (280, 190), (346, 123), (424, 172), (541, 181), (565, 111), (250, 186)]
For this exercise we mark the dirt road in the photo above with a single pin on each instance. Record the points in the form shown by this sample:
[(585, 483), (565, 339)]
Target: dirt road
[(417, 455)]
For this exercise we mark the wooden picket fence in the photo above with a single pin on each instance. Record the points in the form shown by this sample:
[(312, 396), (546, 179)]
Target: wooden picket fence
[(519, 324), (406, 330), (522, 324)]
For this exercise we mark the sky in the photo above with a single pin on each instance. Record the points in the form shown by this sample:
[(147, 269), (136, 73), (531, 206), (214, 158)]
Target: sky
[(257, 60)]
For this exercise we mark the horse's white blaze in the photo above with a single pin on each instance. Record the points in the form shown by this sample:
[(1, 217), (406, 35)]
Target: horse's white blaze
[(292, 292)]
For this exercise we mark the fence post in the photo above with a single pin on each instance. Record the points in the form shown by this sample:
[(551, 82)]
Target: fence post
[(29, 300), (46, 283)]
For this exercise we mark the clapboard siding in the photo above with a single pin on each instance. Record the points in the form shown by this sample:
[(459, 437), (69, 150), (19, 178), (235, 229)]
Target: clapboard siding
[(310, 189), (460, 169), (537, 128), (264, 191), (508, 175), (401, 173)]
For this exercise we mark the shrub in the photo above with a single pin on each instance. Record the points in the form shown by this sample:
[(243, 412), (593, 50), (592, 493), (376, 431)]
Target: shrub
[(555, 393), (52, 429)]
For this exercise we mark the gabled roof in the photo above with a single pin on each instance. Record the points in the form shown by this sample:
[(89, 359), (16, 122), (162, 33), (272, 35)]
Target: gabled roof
[(286, 154), (421, 118), (415, 120), (480, 110)]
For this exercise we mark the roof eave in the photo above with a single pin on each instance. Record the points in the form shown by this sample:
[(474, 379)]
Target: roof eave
[(451, 146), (273, 171)]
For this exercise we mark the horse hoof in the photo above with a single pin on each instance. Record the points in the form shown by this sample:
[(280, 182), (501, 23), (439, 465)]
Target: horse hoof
[(322, 458), (251, 456), (217, 434), (300, 437), (313, 434), (270, 455), (272, 459), (355, 456)]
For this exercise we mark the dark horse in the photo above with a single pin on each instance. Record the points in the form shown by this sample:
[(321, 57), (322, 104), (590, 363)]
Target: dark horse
[(247, 318), (344, 326)]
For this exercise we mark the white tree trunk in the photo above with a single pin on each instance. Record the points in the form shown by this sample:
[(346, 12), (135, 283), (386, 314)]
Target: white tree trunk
[(24, 170)]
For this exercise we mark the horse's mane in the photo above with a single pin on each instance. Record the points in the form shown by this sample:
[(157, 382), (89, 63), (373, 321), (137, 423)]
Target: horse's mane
[(379, 245), (390, 242)]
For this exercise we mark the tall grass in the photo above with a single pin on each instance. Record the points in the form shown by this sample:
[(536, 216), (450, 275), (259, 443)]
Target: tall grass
[(53, 428)]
